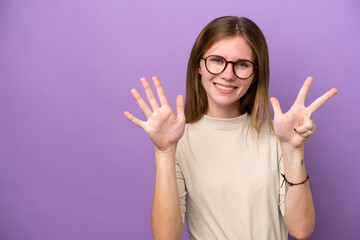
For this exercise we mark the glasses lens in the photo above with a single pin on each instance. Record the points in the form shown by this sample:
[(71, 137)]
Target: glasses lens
[(215, 64), (243, 69)]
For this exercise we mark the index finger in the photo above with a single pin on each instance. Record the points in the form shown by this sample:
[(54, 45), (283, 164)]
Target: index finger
[(303, 91), (321, 100)]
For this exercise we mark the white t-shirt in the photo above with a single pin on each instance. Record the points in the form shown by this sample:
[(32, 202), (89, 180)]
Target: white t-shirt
[(229, 180)]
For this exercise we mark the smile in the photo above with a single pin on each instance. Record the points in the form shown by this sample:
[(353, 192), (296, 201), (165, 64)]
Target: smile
[(224, 88)]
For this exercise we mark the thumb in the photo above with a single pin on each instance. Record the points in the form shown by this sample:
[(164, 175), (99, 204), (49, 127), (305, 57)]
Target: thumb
[(275, 105)]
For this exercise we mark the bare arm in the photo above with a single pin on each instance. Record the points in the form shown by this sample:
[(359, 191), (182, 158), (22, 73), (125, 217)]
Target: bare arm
[(299, 207), (164, 129), (165, 215), (293, 128)]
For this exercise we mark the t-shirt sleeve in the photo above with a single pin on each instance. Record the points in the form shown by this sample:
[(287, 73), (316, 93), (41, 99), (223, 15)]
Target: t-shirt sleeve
[(181, 189)]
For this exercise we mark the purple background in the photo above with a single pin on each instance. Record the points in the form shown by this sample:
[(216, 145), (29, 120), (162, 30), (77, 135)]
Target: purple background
[(73, 167)]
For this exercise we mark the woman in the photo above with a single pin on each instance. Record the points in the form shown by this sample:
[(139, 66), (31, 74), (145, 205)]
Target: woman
[(224, 170)]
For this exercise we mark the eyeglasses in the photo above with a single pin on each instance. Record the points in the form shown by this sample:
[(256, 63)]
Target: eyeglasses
[(243, 69)]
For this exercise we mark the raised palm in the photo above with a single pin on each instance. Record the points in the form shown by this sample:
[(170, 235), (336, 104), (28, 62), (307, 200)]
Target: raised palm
[(295, 126), (163, 126)]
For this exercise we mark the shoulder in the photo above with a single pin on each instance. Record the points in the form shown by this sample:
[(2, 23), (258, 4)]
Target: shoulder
[(193, 136), (266, 130), (266, 135), (190, 129)]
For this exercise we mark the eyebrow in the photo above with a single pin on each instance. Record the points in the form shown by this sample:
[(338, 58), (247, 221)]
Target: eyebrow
[(242, 59), (236, 60)]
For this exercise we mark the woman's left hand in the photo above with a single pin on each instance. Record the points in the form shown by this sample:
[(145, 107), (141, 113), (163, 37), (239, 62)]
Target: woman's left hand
[(295, 126)]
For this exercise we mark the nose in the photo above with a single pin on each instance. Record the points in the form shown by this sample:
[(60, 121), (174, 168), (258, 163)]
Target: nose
[(228, 73)]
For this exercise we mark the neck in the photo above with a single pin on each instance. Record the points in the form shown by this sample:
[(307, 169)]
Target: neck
[(223, 112)]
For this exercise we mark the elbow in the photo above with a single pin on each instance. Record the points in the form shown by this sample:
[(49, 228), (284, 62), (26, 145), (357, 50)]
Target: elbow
[(300, 227), (164, 231), (301, 236), (303, 231)]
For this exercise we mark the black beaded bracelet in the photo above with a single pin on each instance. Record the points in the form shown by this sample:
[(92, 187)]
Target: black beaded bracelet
[(292, 184)]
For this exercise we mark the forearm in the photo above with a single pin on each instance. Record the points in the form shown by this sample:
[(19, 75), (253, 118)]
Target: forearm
[(299, 208), (165, 215)]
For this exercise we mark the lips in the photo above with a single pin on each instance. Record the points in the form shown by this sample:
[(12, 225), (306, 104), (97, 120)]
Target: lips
[(225, 88)]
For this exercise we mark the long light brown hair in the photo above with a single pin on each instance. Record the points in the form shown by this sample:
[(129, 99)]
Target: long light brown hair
[(255, 100)]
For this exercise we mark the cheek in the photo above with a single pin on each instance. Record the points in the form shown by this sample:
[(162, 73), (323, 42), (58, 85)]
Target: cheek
[(251, 81), (207, 79), (205, 83)]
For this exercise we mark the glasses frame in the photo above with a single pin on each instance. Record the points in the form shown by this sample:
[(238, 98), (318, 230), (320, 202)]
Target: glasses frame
[(226, 64)]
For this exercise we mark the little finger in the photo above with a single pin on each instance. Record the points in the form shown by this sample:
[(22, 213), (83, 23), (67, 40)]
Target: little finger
[(180, 106)]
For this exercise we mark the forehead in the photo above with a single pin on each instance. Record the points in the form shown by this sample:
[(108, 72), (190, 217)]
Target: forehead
[(232, 48)]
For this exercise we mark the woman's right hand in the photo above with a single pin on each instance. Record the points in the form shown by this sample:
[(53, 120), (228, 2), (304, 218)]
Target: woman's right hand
[(163, 126)]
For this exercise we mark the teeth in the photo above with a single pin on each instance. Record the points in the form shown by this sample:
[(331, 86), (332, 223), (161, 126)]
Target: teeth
[(224, 88)]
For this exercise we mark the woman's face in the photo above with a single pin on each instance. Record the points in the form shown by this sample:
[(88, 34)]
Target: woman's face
[(225, 89)]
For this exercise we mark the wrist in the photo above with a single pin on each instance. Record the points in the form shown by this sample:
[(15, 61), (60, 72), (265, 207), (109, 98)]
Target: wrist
[(294, 165), (165, 153), (291, 150), (170, 149)]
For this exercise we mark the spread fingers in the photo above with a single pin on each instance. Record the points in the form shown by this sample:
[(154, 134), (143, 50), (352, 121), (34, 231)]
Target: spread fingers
[(144, 107), (160, 91), (149, 94)]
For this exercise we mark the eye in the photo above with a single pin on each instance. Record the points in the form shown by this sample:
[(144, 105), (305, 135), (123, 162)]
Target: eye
[(217, 59), (243, 64)]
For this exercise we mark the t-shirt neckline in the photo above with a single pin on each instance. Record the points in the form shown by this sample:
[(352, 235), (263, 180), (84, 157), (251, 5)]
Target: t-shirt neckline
[(225, 123)]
